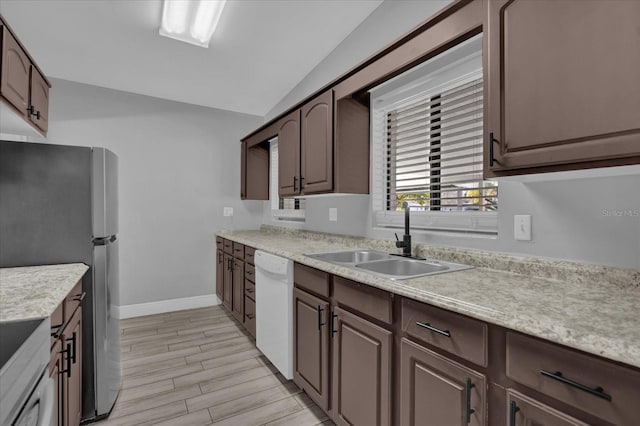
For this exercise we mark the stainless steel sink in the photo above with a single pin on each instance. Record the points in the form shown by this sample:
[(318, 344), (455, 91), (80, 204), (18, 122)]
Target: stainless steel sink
[(403, 267), (388, 265), (353, 256)]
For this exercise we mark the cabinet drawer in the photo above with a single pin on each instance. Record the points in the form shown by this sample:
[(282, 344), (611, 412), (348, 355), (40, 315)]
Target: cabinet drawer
[(457, 334), (73, 300), (363, 298), (250, 315), (575, 378), (238, 250), (311, 279), (249, 272), (249, 253), (219, 243), (227, 246), (249, 289)]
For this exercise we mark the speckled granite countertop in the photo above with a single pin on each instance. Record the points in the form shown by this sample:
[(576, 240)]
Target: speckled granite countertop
[(36, 291), (587, 307)]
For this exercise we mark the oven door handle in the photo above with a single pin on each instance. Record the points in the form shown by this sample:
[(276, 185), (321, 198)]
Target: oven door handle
[(46, 400)]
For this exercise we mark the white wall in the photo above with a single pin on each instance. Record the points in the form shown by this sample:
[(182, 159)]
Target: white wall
[(390, 20), (569, 218), (179, 165)]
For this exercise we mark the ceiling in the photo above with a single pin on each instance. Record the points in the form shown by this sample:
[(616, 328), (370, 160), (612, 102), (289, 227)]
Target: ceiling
[(260, 51)]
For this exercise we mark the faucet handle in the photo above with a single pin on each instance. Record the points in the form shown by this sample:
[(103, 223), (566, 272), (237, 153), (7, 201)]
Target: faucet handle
[(399, 243)]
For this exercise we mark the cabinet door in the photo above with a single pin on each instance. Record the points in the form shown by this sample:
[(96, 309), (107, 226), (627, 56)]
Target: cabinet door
[(55, 372), (73, 336), (238, 290), (243, 171), (562, 81), (257, 174), (317, 145), (39, 100), (220, 274), (289, 155), (525, 411), (311, 346), (227, 293), (435, 391), (14, 81), (361, 365)]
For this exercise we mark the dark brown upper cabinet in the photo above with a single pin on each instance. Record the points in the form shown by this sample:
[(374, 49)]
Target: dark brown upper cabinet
[(316, 142), (324, 148), (39, 101), (561, 84), (289, 155), (254, 171), (16, 68), (23, 86)]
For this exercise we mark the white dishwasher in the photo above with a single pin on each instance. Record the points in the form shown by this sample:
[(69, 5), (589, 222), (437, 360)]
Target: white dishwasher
[(274, 307)]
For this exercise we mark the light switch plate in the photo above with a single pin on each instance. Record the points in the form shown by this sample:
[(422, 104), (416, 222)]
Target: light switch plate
[(333, 214), (522, 227), (227, 211)]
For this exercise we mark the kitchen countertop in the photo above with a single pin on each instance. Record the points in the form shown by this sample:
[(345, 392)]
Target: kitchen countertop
[(36, 291), (587, 307)]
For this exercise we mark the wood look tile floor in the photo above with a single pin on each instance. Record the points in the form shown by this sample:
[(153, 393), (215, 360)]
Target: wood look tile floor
[(200, 367)]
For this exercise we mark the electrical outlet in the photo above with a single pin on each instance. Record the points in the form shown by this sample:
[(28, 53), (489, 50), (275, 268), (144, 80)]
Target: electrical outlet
[(522, 227), (227, 211), (333, 214)]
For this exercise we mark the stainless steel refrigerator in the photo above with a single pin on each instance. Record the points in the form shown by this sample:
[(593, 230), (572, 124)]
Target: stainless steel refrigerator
[(59, 204)]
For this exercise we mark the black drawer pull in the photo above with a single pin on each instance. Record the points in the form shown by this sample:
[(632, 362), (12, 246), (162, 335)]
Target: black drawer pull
[(74, 349), (597, 391), (513, 409), (80, 297), (467, 387), (67, 351), (249, 273), (58, 330), (249, 316), (431, 328), (249, 290)]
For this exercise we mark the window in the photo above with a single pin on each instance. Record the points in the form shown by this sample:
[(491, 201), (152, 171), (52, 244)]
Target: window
[(291, 209), (427, 129)]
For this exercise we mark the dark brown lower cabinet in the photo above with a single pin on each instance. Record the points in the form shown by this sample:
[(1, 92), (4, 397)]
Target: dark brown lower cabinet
[(361, 365), (525, 411), (72, 338), (238, 290), (220, 274), (436, 391), (55, 368), (227, 292), (311, 346), (65, 364)]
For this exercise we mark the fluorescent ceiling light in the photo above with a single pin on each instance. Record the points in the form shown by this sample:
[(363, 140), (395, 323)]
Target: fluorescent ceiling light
[(191, 21)]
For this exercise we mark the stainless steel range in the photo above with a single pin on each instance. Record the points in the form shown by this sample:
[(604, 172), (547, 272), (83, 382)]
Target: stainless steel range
[(27, 394)]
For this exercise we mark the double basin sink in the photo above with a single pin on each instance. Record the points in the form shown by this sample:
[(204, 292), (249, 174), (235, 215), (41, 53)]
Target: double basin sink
[(388, 265)]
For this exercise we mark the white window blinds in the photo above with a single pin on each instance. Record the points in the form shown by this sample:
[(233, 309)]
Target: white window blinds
[(434, 152), (282, 208)]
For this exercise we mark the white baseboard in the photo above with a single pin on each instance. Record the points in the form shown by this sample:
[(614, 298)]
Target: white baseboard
[(162, 306)]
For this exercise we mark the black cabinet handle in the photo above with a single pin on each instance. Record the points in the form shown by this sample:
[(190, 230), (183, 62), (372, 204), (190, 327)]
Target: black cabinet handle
[(320, 323), (513, 409), (32, 111), (249, 316), (333, 329), (80, 297), (249, 273), (219, 258), (58, 330), (431, 328), (295, 180), (67, 351), (73, 350), (492, 158), (467, 388), (249, 290), (597, 391), (301, 183)]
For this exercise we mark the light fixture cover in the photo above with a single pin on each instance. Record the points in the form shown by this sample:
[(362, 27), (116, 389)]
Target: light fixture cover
[(191, 21)]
